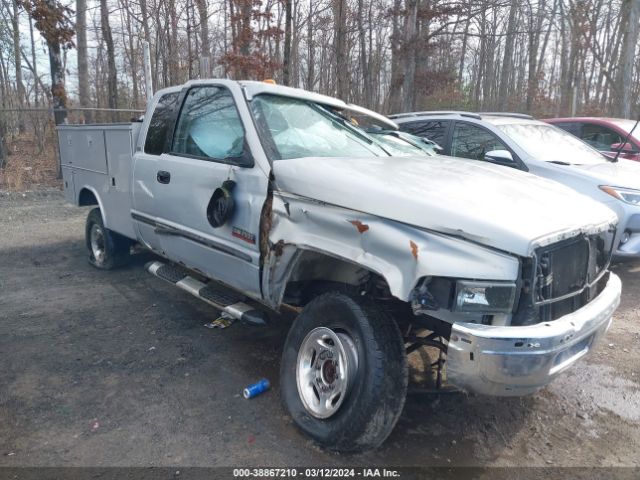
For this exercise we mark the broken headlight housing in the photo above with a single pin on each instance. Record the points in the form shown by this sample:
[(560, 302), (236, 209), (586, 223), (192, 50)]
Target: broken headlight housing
[(484, 297)]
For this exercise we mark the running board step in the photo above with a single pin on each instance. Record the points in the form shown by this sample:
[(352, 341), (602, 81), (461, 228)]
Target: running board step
[(215, 295)]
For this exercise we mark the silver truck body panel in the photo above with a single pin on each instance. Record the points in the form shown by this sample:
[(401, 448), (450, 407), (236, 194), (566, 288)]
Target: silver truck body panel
[(179, 225), (83, 147), (98, 158), (68, 184), (172, 219), (418, 191), (144, 181)]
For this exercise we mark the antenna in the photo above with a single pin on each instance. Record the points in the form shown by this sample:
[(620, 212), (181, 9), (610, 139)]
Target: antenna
[(626, 139)]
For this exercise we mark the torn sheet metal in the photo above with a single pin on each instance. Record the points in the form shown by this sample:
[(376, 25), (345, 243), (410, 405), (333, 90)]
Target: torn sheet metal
[(399, 253)]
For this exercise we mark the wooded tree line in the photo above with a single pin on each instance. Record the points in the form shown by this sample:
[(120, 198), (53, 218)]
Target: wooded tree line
[(546, 57)]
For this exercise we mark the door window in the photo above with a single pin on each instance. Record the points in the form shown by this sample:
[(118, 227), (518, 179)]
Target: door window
[(473, 142), (434, 130), (573, 128), (160, 123), (599, 137), (209, 127)]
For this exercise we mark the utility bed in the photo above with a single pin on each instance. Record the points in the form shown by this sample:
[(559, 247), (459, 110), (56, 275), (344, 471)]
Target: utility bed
[(100, 157)]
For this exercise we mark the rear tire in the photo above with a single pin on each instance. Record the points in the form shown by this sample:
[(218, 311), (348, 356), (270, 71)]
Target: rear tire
[(107, 249), (344, 372)]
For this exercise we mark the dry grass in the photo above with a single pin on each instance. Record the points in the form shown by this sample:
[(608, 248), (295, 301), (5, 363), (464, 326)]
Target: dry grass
[(29, 166)]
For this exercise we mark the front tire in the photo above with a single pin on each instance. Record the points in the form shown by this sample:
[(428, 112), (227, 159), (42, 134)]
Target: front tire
[(344, 372), (107, 249)]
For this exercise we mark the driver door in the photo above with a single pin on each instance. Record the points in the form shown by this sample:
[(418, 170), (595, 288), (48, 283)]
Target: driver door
[(208, 149)]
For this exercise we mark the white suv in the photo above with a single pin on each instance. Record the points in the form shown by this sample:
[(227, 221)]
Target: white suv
[(519, 141)]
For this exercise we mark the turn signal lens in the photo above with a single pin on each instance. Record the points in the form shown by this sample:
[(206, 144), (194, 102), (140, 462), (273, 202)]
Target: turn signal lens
[(626, 195)]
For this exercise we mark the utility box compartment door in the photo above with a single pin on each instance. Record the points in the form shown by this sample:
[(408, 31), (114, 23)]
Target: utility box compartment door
[(83, 148), (67, 182), (117, 201)]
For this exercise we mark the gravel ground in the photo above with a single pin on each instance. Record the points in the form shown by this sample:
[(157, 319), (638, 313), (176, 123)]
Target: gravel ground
[(116, 369)]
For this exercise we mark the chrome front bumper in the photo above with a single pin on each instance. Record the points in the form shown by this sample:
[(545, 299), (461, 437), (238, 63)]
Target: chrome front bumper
[(512, 361)]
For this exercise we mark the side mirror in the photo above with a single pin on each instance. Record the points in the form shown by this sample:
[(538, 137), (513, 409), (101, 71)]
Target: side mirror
[(503, 156), (432, 144), (627, 148)]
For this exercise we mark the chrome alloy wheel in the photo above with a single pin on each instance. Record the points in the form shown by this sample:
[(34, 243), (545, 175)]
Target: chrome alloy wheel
[(326, 367), (97, 243)]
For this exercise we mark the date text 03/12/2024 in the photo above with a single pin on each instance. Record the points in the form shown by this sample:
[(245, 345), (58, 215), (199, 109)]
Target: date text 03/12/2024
[(315, 473)]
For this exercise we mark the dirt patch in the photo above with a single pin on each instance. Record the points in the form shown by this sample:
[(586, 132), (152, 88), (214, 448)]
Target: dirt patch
[(32, 161)]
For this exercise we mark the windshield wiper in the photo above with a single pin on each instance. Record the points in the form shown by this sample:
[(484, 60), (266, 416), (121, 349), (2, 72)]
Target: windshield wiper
[(409, 140), (559, 162), (345, 122)]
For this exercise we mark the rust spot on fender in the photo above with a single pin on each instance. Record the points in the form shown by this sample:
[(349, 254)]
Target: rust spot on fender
[(362, 227), (414, 249)]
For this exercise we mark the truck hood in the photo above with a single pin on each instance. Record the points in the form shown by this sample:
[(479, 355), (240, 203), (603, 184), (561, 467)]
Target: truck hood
[(496, 206), (623, 173)]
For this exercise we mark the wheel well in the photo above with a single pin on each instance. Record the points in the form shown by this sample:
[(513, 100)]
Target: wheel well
[(87, 197), (316, 272)]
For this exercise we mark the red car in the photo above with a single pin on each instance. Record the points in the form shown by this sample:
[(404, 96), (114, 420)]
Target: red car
[(604, 134)]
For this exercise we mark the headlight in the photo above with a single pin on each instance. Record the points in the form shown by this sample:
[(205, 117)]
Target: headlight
[(627, 195), (484, 297)]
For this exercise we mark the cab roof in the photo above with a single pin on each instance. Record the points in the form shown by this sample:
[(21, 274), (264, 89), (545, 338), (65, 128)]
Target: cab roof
[(253, 88)]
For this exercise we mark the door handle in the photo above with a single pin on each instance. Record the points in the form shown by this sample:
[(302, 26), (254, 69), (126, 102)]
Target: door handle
[(163, 176)]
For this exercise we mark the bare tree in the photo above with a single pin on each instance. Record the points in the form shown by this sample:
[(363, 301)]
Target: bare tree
[(340, 48), (205, 49), (52, 19), (288, 27), (540, 56), (83, 64), (631, 27), (15, 21), (507, 63), (112, 74)]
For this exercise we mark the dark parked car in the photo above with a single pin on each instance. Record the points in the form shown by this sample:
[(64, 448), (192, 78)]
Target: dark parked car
[(604, 134)]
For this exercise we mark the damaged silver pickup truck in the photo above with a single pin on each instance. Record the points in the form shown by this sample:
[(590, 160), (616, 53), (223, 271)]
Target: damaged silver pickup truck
[(261, 194)]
